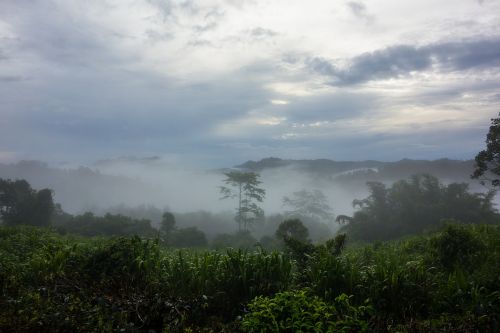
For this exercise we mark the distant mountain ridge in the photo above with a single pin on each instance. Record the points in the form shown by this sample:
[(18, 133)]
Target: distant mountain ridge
[(441, 168)]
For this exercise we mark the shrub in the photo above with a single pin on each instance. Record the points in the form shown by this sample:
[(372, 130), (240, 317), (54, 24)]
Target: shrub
[(297, 311), (457, 246)]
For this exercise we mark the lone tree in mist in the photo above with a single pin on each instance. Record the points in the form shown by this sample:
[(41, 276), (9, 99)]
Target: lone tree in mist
[(244, 186), (488, 160)]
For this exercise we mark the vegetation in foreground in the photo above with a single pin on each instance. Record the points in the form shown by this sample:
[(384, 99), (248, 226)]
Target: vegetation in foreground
[(445, 281)]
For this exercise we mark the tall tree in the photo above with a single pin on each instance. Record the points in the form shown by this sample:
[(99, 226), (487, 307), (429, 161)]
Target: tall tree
[(244, 186), (488, 160)]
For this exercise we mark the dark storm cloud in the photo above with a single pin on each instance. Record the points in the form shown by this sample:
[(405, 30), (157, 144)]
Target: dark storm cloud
[(400, 60)]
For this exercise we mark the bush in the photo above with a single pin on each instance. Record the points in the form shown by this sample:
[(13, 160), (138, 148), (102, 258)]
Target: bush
[(457, 246), (297, 311)]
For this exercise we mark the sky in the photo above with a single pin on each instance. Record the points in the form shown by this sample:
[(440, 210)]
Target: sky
[(218, 82)]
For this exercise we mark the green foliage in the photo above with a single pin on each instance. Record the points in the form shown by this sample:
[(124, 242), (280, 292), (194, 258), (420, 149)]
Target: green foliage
[(55, 283), (22, 205), (298, 311), (457, 246), (50, 282), (414, 205), (406, 279)]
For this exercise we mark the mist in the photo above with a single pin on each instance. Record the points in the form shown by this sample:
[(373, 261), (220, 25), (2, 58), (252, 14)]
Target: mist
[(147, 187)]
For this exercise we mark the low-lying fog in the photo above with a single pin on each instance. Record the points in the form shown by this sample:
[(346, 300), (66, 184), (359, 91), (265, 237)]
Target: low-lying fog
[(182, 188), (119, 184)]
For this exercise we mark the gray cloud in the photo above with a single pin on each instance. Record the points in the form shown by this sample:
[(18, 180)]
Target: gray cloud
[(53, 34), (400, 60)]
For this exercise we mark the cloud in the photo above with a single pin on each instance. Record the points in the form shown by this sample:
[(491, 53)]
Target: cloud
[(165, 7), (56, 34), (400, 60), (12, 78), (3, 56), (359, 10), (158, 36), (135, 77)]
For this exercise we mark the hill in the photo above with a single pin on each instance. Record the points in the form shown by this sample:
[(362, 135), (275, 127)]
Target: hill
[(447, 169)]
